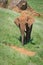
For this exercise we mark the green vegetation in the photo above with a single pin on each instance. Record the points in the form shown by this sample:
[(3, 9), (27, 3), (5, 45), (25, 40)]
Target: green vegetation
[(9, 56), (36, 4), (9, 34)]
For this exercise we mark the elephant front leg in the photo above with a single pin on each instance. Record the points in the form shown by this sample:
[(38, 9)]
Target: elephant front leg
[(23, 36), (22, 39), (22, 29), (28, 33)]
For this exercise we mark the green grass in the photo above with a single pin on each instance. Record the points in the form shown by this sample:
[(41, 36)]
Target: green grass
[(7, 26), (36, 5), (9, 56), (10, 33)]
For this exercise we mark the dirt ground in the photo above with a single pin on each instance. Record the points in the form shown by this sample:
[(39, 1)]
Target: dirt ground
[(23, 51)]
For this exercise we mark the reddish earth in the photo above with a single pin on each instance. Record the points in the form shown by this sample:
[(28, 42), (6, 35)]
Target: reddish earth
[(23, 51)]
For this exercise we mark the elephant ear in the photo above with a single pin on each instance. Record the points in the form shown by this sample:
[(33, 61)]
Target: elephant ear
[(17, 21), (30, 20)]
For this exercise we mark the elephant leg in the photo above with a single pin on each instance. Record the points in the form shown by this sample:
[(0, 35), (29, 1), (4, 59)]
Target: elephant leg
[(22, 39), (30, 30), (22, 29), (28, 33), (27, 36)]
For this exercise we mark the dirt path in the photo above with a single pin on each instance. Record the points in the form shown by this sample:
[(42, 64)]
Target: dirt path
[(23, 51)]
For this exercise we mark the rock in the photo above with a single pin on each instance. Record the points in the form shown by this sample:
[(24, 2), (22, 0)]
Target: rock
[(22, 4), (13, 3)]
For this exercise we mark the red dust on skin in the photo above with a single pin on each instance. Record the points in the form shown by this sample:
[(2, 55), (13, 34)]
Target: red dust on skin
[(24, 18), (24, 51)]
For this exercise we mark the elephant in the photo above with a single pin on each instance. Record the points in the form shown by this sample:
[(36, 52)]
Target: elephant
[(25, 23)]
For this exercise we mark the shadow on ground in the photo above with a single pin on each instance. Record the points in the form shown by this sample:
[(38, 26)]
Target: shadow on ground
[(26, 42)]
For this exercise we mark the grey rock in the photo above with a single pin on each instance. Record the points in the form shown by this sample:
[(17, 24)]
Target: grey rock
[(15, 3)]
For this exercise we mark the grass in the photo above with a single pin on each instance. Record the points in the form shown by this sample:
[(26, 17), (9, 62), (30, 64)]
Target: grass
[(9, 34), (37, 5), (9, 56)]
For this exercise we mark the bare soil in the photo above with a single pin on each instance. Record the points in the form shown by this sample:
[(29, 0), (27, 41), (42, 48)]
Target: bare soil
[(23, 51)]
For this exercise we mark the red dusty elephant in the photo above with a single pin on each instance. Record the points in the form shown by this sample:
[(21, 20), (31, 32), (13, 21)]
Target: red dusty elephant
[(25, 22)]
